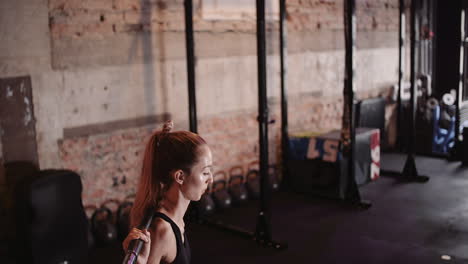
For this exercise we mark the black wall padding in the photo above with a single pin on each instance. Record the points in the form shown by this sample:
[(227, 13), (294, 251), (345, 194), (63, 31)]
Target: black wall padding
[(371, 113), (51, 222)]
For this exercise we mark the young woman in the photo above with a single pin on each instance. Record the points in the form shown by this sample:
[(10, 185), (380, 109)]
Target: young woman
[(177, 169)]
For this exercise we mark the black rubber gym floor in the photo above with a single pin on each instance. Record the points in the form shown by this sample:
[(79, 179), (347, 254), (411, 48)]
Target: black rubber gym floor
[(407, 223)]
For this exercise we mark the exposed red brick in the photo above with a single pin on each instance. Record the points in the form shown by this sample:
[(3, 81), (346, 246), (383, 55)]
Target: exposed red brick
[(74, 18), (80, 4)]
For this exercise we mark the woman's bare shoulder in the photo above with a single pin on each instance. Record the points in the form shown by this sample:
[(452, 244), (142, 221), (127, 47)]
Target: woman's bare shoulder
[(162, 230), (162, 239)]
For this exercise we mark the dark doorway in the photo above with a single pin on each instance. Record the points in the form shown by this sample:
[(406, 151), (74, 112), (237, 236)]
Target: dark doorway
[(17, 121)]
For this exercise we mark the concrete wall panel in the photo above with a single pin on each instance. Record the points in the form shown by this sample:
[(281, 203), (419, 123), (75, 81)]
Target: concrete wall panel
[(24, 34)]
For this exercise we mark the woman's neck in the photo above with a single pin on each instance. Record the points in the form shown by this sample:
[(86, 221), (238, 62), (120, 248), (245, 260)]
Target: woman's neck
[(174, 204)]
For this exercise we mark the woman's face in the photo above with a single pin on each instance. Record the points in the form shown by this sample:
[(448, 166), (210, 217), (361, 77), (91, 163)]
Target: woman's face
[(201, 176)]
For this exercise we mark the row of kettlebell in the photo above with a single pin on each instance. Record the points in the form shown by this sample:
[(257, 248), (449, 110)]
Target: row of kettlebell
[(109, 222), (236, 190)]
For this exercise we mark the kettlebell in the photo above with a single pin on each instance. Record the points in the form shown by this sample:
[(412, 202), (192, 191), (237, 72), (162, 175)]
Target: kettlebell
[(273, 177), (91, 240), (103, 225), (221, 197), (123, 219), (206, 205), (253, 180), (236, 184)]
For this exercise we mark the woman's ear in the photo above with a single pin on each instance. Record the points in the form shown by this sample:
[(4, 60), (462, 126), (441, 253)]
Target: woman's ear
[(179, 176)]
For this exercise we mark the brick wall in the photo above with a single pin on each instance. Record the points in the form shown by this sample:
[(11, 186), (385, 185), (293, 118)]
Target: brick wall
[(315, 15), (102, 18), (110, 163), (104, 32), (101, 32)]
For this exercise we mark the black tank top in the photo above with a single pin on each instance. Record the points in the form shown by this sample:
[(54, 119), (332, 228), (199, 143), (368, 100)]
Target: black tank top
[(183, 254)]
